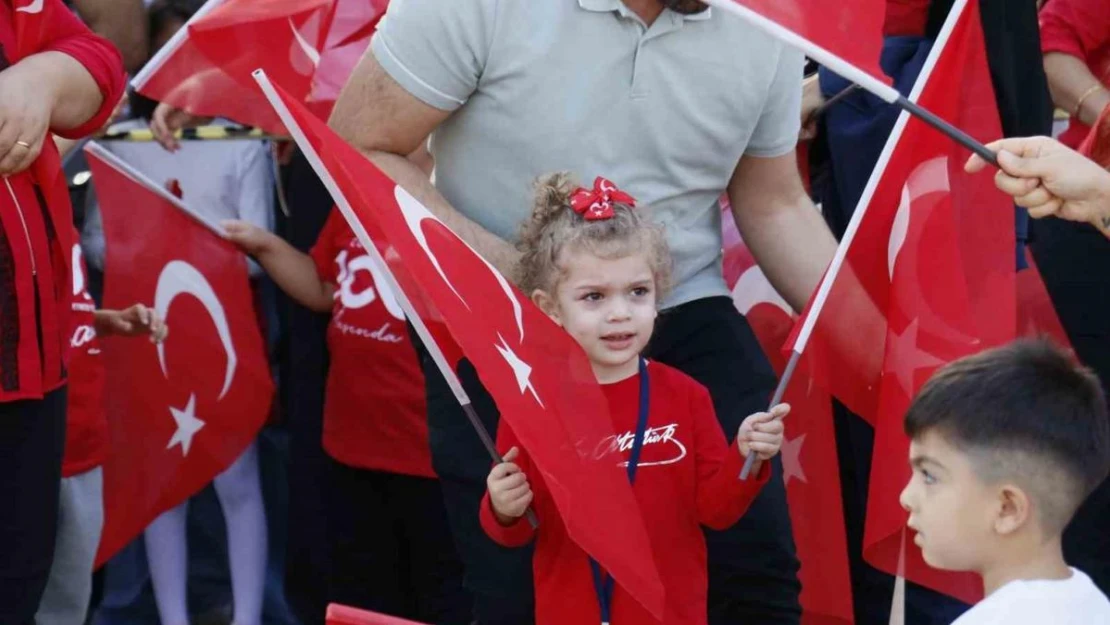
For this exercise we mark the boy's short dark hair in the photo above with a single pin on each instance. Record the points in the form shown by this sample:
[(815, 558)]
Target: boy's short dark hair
[(1023, 412)]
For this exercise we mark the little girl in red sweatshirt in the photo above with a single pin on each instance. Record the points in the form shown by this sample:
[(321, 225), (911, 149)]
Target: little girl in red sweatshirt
[(598, 266)]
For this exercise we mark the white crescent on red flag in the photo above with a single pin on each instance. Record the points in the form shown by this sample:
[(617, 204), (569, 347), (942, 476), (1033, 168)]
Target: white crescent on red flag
[(180, 412), (925, 275)]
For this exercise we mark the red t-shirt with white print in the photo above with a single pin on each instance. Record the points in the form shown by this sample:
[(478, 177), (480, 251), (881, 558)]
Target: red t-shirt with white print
[(86, 414), (374, 406), (688, 477)]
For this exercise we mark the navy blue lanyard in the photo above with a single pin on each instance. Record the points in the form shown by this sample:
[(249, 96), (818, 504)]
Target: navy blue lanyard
[(603, 584)]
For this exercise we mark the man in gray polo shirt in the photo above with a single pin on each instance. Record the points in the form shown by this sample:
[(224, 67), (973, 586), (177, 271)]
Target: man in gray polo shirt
[(676, 104)]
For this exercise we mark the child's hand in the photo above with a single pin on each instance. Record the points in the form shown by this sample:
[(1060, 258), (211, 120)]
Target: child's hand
[(762, 433), (138, 320), (249, 237), (509, 492)]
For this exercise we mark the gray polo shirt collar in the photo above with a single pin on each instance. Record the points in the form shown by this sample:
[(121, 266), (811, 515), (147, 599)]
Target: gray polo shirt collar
[(604, 6)]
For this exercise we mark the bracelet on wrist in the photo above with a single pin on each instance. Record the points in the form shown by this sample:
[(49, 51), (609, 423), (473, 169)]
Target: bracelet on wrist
[(1095, 88)]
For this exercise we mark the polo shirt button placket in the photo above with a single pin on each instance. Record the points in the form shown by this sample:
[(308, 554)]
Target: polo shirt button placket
[(638, 90)]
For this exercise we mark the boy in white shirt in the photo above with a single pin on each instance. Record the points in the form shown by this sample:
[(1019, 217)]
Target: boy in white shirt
[(1005, 446)]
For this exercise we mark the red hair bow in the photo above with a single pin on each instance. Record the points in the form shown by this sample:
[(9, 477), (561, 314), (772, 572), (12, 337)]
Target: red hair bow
[(597, 203)]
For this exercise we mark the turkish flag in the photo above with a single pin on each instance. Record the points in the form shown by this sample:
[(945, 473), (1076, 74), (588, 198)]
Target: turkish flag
[(181, 412), (928, 276), (811, 470), (343, 615), (352, 24), (206, 68), (539, 377), (850, 29)]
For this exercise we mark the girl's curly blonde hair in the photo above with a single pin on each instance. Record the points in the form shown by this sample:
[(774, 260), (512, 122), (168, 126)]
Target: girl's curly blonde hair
[(555, 227)]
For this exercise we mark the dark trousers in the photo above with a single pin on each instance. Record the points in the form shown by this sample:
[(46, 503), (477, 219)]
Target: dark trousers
[(1074, 260), (752, 567), (391, 547), (32, 439)]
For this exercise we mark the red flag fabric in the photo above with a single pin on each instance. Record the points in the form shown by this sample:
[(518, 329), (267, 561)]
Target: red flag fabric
[(182, 412), (206, 68), (348, 37), (1097, 144), (850, 29), (540, 379), (811, 470), (1036, 314), (343, 615), (928, 277)]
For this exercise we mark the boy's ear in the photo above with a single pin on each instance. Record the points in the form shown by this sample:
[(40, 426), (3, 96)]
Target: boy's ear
[(1014, 509), (547, 304)]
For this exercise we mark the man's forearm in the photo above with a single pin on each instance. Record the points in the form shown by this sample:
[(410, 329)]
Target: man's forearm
[(792, 245), (413, 179)]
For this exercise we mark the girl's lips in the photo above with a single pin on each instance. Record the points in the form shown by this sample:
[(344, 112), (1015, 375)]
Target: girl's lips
[(618, 341)]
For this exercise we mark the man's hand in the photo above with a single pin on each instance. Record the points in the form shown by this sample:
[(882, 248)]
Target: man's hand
[(138, 320), (1049, 178), (25, 109), (762, 433), (509, 492), (167, 120)]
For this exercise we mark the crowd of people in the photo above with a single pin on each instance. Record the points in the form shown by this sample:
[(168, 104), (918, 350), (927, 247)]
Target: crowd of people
[(582, 148)]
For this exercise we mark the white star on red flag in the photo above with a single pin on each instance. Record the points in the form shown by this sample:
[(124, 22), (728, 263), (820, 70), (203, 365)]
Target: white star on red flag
[(792, 460), (187, 425), (521, 369), (904, 358)]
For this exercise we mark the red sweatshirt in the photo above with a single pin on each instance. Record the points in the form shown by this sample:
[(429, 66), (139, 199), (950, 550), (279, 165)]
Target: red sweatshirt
[(374, 409), (688, 477), (1080, 28), (906, 18), (86, 412), (35, 214)]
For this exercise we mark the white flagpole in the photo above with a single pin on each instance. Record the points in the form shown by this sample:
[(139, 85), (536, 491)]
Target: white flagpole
[(850, 72), (418, 325), (865, 200), (137, 177), (898, 600), (827, 59), (171, 46)]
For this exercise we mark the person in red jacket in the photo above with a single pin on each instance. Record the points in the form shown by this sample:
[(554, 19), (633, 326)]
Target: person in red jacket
[(55, 76), (597, 267), (1075, 40)]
